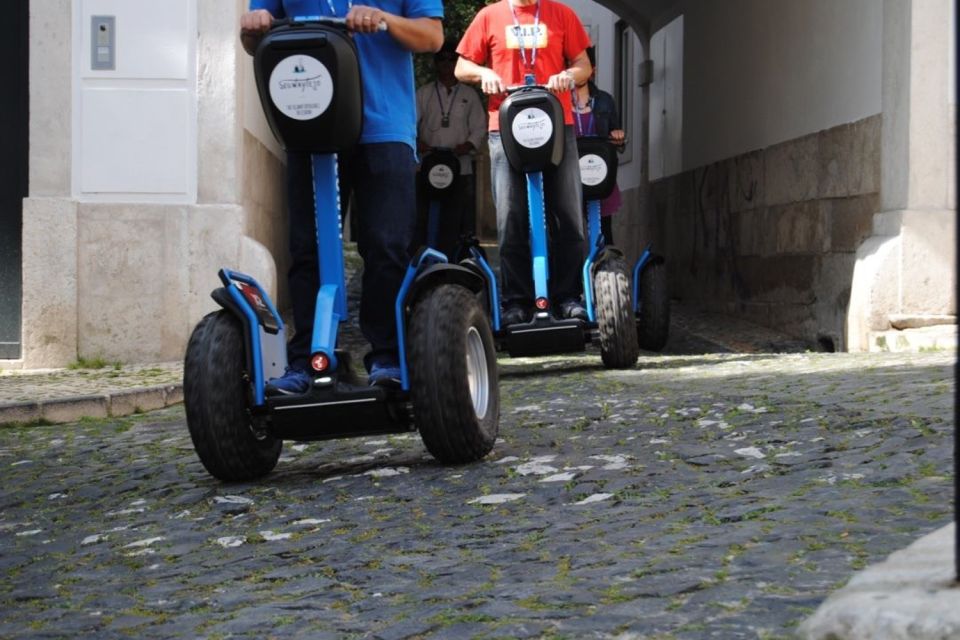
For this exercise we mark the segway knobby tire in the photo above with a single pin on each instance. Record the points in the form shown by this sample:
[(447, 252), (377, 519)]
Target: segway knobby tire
[(618, 335), (653, 318), (215, 398), (453, 375)]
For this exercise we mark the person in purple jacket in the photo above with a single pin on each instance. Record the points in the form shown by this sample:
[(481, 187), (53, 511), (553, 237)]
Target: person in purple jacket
[(380, 172)]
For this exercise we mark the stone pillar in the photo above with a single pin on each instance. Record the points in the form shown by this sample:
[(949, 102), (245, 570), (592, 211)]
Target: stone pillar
[(127, 280), (905, 278), (49, 307)]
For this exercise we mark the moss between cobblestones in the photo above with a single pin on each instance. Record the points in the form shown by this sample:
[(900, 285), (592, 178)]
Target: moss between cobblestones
[(671, 506), (92, 363), (15, 427), (449, 618)]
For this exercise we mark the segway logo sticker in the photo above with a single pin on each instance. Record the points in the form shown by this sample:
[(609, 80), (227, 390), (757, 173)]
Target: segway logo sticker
[(301, 87), (532, 128), (593, 170), (440, 176)]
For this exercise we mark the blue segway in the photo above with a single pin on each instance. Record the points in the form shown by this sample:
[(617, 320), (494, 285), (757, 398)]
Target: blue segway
[(308, 79), (651, 300), (439, 177), (606, 276), (532, 130)]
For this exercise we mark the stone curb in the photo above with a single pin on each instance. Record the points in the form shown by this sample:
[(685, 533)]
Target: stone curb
[(911, 594), (109, 405)]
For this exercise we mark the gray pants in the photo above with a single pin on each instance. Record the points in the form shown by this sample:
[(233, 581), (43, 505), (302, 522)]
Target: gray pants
[(565, 225)]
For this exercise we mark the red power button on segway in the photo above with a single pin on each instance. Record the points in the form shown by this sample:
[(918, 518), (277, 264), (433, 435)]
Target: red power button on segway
[(320, 362)]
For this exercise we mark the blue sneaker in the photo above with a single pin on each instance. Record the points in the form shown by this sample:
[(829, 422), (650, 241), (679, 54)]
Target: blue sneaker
[(293, 382), (385, 372)]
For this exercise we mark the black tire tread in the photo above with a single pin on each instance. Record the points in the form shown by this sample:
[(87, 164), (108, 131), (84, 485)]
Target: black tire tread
[(618, 336), (214, 397), (439, 389), (653, 319)]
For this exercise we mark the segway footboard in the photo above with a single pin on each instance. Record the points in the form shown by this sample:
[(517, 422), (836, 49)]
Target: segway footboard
[(339, 410), (544, 336)]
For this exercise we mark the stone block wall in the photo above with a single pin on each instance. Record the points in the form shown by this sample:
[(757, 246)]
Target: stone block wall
[(265, 203), (773, 234)]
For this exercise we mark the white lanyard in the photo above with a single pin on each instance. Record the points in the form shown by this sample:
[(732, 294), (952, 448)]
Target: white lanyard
[(333, 10), (576, 109), (521, 40)]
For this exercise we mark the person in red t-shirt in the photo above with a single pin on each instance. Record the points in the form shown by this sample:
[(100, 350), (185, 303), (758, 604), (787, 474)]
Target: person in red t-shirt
[(505, 42)]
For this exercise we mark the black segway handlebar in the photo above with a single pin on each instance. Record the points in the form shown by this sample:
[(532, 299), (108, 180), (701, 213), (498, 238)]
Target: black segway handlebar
[(329, 21), (521, 87)]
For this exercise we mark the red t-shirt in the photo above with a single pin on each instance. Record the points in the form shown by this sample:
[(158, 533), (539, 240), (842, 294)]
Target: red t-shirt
[(490, 41)]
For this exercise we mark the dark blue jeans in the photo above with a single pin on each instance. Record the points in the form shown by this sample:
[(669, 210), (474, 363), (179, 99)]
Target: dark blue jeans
[(381, 178), (565, 225)]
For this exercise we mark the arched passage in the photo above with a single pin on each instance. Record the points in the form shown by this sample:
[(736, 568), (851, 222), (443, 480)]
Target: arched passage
[(811, 190)]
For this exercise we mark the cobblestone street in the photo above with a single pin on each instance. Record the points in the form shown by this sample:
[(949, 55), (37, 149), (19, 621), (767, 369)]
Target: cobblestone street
[(694, 496)]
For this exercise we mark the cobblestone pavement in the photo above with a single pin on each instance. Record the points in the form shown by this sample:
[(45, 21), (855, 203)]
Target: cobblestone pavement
[(710, 496)]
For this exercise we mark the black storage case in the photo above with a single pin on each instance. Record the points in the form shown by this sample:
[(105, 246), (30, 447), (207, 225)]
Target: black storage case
[(337, 127), (439, 173), (544, 156), (598, 158)]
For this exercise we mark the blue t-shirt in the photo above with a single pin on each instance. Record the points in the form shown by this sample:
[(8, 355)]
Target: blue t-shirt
[(389, 106)]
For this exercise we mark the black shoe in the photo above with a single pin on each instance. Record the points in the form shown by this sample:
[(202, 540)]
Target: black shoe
[(573, 310), (514, 315)]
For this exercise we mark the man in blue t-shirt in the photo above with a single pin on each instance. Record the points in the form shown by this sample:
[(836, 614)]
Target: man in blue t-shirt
[(380, 171)]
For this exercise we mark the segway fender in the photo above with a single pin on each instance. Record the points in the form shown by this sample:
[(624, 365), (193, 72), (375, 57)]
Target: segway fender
[(263, 330), (607, 253), (655, 258), (444, 273), (222, 298)]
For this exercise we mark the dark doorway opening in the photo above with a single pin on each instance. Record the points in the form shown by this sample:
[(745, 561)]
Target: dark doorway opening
[(14, 141)]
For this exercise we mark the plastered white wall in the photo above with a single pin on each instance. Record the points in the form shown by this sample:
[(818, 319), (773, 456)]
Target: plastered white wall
[(602, 22), (135, 127), (253, 119), (760, 72), (666, 100)]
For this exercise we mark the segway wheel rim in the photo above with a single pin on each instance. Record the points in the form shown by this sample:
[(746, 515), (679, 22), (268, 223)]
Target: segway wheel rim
[(477, 373)]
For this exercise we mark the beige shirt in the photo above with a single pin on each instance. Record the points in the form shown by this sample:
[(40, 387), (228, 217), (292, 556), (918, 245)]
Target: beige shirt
[(468, 120)]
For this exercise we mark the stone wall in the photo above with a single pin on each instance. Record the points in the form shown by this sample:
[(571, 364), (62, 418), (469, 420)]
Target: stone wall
[(128, 280), (265, 204), (773, 234)]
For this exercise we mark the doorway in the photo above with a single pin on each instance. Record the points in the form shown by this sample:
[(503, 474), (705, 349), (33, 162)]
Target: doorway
[(14, 140)]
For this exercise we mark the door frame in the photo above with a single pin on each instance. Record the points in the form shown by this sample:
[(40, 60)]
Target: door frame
[(14, 139)]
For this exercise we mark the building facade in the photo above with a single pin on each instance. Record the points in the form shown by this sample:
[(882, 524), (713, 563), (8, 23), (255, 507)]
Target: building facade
[(794, 162)]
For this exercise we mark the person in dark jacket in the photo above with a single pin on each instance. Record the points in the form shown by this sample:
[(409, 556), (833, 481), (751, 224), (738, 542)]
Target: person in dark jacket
[(595, 114)]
